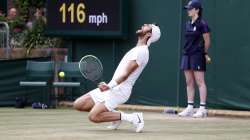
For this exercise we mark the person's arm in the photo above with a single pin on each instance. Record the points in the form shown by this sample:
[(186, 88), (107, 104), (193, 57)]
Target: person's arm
[(207, 43), (131, 67)]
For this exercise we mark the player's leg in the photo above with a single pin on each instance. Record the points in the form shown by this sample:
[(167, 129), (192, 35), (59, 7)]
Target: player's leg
[(190, 83), (115, 124), (135, 118), (200, 80), (103, 111), (99, 113), (84, 103)]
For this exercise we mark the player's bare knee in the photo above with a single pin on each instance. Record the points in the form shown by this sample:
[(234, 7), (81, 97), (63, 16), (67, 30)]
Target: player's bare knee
[(93, 118), (80, 105), (83, 103), (76, 104)]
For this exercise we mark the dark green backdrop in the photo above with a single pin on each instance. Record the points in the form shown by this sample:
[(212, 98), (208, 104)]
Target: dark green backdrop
[(162, 83)]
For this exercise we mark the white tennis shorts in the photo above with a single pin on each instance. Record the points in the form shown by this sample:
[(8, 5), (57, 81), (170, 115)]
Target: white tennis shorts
[(111, 98)]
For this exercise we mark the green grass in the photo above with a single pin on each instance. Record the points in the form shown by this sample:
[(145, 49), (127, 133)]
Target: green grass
[(67, 124)]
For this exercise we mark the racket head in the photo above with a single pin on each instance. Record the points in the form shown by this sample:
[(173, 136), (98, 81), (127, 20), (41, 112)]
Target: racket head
[(91, 68)]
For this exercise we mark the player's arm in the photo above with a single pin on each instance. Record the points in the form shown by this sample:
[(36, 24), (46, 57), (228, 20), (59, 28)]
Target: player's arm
[(131, 67)]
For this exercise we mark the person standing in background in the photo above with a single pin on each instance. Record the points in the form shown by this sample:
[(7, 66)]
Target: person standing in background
[(195, 57)]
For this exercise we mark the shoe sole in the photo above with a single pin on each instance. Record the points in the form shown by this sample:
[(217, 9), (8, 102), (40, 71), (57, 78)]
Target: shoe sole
[(203, 116), (189, 115), (114, 128)]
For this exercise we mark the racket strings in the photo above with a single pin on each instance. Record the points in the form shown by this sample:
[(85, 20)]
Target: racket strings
[(91, 68)]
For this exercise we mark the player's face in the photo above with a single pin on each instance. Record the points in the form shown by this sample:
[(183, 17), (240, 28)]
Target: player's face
[(146, 28)]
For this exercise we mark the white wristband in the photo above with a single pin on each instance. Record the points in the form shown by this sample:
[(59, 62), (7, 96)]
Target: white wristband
[(112, 84)]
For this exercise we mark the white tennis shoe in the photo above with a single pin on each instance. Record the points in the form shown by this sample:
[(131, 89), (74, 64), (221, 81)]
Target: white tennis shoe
[(138, 122), (201, 113), (188, 112)]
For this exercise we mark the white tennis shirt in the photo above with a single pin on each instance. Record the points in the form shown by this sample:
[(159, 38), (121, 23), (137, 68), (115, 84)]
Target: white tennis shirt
[(141, 55)]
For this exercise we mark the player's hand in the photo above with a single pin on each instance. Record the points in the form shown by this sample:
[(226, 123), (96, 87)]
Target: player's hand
[(103, 86), (208, 59)]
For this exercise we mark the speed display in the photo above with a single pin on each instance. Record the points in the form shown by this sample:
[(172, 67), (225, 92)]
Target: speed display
[(87, 18)]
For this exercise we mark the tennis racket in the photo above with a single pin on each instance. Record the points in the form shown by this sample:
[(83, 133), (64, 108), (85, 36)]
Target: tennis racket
[(91, 68)]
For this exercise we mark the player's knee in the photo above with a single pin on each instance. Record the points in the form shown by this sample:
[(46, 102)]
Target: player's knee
[(82, 104), (93, 118), (77, 105)]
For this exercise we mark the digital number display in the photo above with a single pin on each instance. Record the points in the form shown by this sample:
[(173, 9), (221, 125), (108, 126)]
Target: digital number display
[(105, 18)]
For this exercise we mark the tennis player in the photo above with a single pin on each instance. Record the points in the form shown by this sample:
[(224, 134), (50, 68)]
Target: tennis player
[(194, 58), (102, 101)]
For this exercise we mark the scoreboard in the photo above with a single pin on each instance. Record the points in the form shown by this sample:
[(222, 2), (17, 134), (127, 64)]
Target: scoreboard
[(87, 18)]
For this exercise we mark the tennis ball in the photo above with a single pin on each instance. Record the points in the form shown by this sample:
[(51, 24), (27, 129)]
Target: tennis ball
[(209, 60), (61, 74)]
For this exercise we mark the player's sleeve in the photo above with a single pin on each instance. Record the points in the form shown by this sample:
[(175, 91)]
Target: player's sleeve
[(138, 56), (204, 27)]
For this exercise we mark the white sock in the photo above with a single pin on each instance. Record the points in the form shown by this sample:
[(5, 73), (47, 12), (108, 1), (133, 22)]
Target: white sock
[(190, 105), (202, 105), (116, 111), (128, 117)]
